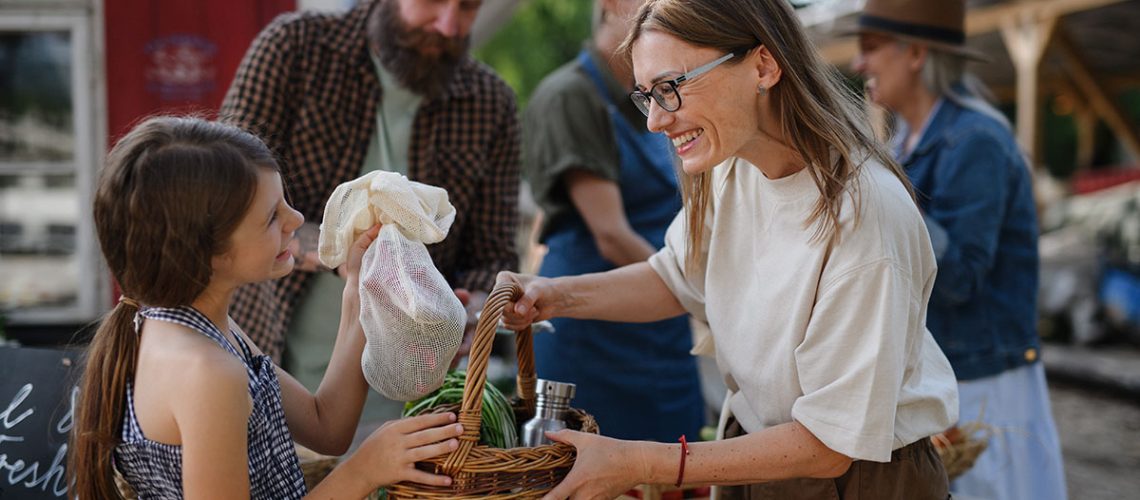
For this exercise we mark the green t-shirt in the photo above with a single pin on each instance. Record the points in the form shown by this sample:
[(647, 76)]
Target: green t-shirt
[(395, 114), (566, 126)]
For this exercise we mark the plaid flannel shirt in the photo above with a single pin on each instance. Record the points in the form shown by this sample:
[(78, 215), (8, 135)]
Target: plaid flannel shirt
[(308, 88)]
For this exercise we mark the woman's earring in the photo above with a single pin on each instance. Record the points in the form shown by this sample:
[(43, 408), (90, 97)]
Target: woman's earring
[(762, 90)]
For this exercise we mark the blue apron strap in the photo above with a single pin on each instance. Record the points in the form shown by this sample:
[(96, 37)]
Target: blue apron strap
[(596, 76), (650, 145)]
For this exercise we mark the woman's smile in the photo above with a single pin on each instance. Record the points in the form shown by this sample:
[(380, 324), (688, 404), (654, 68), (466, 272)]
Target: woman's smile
[(686, 141)]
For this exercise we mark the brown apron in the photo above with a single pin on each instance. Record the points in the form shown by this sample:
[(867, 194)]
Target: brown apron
[(914, 473)]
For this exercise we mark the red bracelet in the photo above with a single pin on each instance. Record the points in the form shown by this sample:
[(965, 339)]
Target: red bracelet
[(684, 452)]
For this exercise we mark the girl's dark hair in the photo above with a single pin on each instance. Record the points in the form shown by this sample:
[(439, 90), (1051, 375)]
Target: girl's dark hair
[(170, 195)]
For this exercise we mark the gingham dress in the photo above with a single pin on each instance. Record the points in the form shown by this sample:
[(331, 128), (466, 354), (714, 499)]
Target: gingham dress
[(154, 469)]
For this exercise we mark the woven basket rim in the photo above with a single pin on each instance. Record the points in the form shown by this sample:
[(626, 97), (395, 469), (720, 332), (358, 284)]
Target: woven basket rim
[(480, 471), (959, 456)]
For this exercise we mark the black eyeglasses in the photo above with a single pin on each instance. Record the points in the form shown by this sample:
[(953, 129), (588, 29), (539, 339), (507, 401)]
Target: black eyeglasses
[(665, 92)]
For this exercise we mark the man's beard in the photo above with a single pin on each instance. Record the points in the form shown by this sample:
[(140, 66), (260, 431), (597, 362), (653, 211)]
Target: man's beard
[(397, 47)]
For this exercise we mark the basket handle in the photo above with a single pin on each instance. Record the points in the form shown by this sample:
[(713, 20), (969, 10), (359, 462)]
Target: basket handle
[(471, 410)]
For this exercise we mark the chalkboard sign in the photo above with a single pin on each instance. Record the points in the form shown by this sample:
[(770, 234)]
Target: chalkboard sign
[(37, 397)]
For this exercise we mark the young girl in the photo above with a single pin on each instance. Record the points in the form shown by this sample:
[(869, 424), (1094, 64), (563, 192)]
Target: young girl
[(174, 395)]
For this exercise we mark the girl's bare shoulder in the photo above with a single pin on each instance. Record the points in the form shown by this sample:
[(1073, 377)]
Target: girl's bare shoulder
[(184, 359)]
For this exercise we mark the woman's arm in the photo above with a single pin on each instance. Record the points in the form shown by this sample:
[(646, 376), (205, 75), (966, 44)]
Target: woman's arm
[(598, 201), (634, 293), (607, 467)]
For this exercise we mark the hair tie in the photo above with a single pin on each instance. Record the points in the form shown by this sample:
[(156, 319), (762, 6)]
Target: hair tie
[(138, 320)]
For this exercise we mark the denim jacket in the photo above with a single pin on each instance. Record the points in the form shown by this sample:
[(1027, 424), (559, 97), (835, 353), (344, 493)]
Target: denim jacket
[(975, 193)]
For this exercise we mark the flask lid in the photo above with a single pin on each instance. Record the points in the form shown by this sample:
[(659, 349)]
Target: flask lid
[(554, 389)]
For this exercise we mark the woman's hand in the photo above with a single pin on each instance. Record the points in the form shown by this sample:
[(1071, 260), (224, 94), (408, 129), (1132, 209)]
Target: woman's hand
[(538, 302), (634, 293), (390, 453), (351, 267), (605, 467)]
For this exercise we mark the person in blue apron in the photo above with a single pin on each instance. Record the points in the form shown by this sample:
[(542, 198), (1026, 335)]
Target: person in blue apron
[(608, 191)]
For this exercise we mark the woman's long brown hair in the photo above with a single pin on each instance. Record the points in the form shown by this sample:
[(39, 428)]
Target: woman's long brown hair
[(170, 195), (822, 117)]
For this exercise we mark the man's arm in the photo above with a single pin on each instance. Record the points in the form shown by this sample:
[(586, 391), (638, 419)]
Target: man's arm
[(599, 202)]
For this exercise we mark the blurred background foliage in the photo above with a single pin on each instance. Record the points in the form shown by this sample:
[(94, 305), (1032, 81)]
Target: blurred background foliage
[(545, 34), (541, 36)]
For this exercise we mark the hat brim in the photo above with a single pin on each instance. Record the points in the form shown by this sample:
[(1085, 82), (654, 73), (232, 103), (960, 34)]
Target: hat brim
[(960, 50)]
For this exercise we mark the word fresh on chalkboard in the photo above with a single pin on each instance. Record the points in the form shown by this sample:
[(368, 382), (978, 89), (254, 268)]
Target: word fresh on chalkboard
[(37, 399)]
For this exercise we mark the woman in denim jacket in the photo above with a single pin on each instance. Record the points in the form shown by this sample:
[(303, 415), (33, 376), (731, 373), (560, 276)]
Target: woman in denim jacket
[(974, 189)]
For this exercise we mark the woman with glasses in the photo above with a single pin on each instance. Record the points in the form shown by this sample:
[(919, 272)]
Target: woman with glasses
[(800, 244)]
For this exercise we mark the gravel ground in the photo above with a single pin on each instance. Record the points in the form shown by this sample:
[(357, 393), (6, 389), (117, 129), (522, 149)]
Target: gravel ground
[(1100, 441)]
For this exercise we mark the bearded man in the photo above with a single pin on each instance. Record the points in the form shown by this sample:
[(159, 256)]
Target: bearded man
[(388, 85)]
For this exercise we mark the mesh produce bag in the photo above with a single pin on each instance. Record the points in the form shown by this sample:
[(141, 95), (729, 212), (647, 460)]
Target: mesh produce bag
[(412, 320)]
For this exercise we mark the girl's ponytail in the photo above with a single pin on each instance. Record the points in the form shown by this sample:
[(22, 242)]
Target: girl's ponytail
[(109, 365)]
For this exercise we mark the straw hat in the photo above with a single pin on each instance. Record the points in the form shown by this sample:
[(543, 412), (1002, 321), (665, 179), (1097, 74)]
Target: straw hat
[(938, 23)]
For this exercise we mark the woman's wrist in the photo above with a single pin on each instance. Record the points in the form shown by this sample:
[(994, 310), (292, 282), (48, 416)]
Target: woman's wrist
[(656, 463)]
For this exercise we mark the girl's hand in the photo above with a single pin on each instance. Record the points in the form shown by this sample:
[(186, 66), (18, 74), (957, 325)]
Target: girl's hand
[(389, 455), (605, 467), (351, 267), (538, 302)]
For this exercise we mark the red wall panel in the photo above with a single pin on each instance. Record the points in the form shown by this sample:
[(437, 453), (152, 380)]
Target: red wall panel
[(176, 55)]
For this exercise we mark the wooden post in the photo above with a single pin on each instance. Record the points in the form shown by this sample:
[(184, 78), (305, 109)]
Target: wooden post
[(1084, 118), (1099, 99), (1026, 35), (1086, 137)]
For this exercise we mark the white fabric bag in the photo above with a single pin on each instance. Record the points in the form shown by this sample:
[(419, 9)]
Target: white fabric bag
[(412, 320)]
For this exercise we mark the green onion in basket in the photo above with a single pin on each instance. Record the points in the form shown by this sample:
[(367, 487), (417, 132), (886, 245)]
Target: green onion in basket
[(497, 428)]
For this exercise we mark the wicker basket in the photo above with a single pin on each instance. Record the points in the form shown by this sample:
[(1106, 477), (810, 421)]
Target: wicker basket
[(479, 471), (960, 447), (125, 490), (314, 466)]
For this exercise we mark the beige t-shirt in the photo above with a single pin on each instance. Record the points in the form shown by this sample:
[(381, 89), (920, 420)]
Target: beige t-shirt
[(830, 335)]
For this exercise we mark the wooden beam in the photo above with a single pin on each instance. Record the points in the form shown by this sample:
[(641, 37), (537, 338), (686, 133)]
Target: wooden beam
[(1099, 99), (1026, 36), (1085, 120), (990, 19), (979, 21), (1055, 82)]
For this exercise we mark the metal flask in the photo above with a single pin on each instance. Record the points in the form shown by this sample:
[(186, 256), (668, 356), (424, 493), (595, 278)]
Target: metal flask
[(552, 401)]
